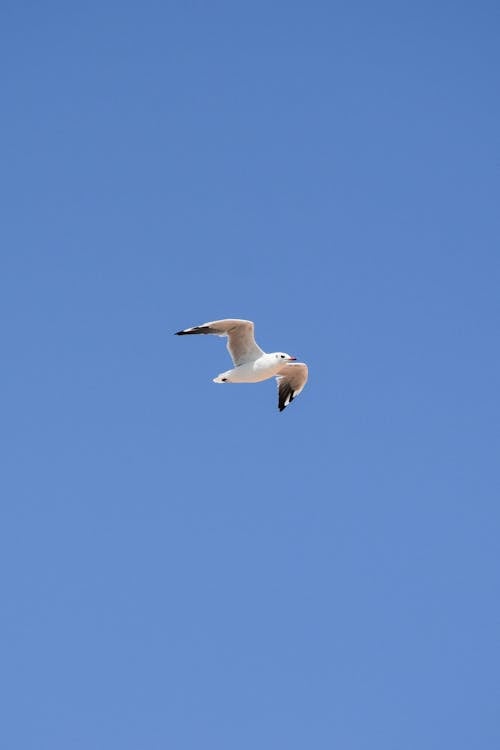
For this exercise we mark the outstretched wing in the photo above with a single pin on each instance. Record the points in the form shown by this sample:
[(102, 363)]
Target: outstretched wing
[(241, 342), (291, 380)]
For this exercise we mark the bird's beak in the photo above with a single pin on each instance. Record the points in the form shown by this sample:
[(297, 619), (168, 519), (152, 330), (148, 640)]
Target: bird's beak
[(292, 359)]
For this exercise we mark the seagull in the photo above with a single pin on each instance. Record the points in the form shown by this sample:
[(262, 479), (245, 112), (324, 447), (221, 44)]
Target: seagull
[(251, 363)]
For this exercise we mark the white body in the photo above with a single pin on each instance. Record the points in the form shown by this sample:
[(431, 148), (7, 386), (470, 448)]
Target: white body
[(265, 367)]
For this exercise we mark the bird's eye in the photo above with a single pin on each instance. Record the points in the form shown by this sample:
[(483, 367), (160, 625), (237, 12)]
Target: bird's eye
[(282, 356)]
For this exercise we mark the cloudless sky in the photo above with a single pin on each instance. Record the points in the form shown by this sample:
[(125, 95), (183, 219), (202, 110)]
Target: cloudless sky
[(182, 566)]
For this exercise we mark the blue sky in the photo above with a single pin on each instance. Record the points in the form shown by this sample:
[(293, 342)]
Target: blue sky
[(183, 566)]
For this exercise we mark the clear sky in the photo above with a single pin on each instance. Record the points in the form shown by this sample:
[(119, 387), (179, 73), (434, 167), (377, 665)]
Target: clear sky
[(182, 566)]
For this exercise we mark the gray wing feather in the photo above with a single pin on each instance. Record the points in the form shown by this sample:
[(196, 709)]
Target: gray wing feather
[(291, 380), (241, 342)]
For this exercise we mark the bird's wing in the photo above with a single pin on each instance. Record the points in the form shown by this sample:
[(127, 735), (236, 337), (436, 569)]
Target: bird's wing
[(291, 380), (241, 343)]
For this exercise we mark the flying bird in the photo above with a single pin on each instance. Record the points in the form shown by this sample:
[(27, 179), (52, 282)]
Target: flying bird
[(251, 363)]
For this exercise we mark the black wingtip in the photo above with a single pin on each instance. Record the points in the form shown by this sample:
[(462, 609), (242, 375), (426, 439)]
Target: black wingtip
[(195, 330)]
